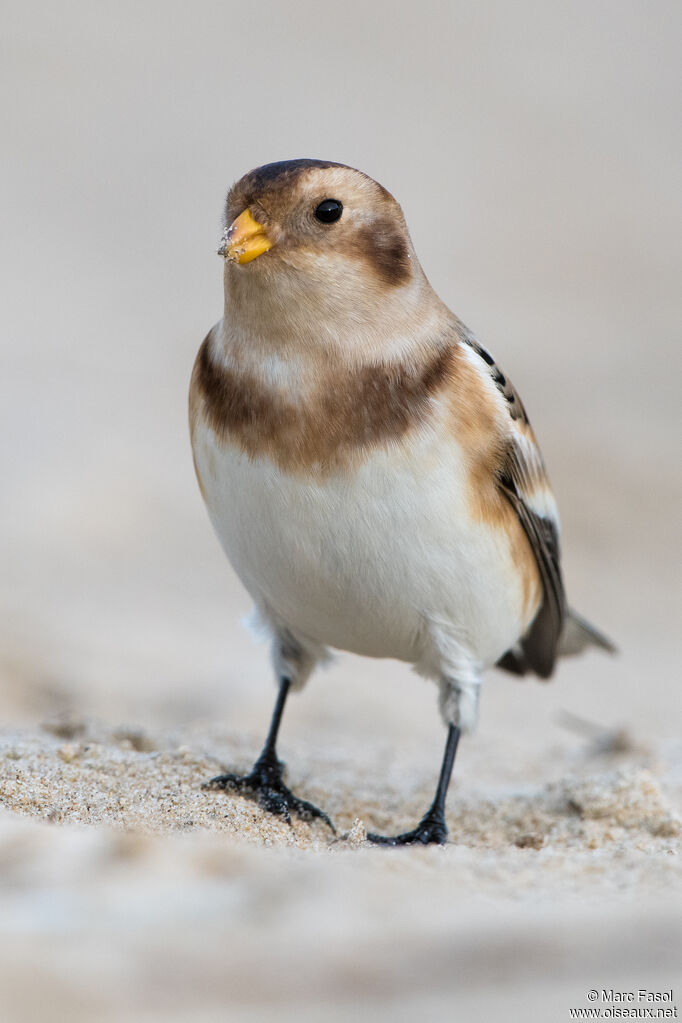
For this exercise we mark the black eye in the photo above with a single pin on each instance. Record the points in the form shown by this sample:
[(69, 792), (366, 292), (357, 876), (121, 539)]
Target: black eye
[(329, 210)]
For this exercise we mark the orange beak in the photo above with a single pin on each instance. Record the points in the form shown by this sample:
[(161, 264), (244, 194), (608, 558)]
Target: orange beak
[(244, 240)]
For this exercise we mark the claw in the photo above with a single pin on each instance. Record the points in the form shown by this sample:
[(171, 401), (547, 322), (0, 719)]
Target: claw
[(265, 786), (431, 830)]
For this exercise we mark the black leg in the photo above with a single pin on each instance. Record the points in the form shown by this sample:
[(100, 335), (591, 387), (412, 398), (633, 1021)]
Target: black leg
[(264, 784), (432, 827)]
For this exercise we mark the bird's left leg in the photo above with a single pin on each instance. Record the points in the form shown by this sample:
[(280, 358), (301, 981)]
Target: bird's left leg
[(459, 692), (265, 784), (432, 827)]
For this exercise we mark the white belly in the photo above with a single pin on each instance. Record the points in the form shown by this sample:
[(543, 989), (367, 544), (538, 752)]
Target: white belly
[(364, 560)]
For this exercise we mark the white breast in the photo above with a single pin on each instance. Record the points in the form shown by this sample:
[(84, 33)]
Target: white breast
[(365, 559)]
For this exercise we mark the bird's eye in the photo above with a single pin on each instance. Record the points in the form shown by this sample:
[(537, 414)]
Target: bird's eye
[(329, 210)]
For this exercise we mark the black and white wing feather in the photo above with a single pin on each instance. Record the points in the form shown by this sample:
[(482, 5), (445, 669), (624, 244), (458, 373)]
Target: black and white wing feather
[(556, 630)]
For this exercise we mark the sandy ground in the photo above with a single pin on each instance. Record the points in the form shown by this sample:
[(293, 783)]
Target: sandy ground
[(192, 904), (535, 149)]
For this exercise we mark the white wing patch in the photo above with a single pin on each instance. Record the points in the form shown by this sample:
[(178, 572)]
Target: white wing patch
[(532, 483)]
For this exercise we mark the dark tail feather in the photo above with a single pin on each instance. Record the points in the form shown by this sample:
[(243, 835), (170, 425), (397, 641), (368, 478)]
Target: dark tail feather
[(514, 662), (578, 634)]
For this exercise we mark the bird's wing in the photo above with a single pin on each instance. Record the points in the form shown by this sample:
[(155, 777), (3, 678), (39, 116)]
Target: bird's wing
[(522, 479), (524, 484)]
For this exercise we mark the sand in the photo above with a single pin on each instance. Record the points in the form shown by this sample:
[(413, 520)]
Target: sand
[(138, 892)]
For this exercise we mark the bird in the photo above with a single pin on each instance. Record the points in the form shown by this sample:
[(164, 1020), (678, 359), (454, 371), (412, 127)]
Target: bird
[(370, 471)]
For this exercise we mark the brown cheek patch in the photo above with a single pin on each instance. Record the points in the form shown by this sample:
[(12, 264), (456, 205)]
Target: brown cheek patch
[(384, 248), (475, 426), (355, 412)]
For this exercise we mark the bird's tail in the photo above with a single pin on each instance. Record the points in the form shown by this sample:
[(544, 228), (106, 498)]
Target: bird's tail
[(578, 634)]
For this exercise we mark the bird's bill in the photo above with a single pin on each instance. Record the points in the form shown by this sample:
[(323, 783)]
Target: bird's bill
[(244, 240)]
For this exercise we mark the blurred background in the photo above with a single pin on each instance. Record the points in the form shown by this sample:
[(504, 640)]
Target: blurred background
[(535, 149)]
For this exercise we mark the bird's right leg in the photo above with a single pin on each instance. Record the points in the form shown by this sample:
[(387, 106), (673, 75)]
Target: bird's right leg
[(265, 784)]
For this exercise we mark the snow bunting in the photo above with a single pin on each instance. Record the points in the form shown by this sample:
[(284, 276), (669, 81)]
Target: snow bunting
[(369, 469)]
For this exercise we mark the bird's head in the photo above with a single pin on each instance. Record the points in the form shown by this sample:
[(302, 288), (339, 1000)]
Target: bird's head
[(308, 241)]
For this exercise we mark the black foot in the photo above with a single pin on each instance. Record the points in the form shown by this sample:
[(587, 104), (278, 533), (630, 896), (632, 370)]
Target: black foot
[(265, 786), (431, 830)]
